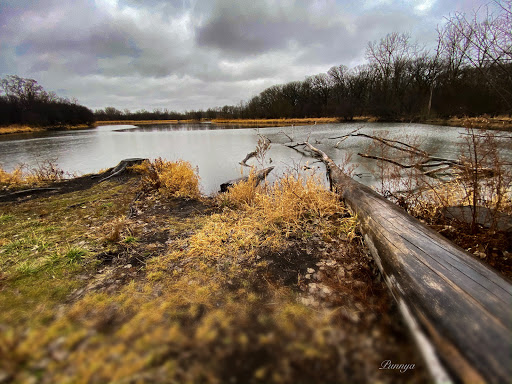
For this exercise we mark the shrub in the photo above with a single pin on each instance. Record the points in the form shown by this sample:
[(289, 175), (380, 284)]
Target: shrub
[(176, 179)]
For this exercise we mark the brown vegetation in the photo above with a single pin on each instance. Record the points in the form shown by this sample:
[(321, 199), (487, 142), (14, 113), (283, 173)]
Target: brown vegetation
[(503, 123), (468, 199), (261, 284)]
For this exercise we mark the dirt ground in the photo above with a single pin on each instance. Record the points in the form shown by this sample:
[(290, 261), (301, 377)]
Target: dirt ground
[(335, 279)]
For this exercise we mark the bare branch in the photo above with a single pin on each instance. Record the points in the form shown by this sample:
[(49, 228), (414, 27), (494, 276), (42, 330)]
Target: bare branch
[(249, 156)]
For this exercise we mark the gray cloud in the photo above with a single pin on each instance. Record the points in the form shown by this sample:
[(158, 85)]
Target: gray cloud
[(187, 54)]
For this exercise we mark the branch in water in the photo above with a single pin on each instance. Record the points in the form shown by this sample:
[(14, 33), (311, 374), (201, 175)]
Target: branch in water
[(249, 156)]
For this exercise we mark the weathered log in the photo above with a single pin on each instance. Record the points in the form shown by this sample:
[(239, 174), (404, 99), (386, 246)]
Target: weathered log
[(258, 177), (121, 167), (454, 304), (249, 156), (26, 192)]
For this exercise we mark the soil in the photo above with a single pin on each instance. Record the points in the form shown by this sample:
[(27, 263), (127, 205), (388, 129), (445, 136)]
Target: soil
[(338, 276)]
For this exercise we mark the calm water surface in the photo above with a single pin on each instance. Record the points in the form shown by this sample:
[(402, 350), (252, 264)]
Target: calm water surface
[(214, 150)]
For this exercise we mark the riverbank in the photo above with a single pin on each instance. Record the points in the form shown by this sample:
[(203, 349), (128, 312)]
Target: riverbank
[(482, 122), (503, 123), (277, 122), (141, 273), (12, 129)]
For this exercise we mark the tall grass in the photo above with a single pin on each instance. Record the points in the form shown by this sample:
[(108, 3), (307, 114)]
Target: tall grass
[(176, 179), (23, 176)]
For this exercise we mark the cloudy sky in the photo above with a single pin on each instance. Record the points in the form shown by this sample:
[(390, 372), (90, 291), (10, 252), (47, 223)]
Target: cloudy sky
[(193, 54)]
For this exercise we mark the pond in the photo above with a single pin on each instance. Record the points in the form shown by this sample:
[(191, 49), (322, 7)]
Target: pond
[(215, 150)]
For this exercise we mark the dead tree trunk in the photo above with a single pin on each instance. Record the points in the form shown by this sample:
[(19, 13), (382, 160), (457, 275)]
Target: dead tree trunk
[(258, 177), (456, 307), (121, 167)]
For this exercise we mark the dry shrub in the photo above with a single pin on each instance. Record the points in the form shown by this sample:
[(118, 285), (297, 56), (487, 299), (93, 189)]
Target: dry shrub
[(294, 204), (114, 230), (176, 179), (11, 178), (43, 173)]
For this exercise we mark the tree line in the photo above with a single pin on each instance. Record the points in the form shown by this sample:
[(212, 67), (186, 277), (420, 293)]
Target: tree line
[(468, 73), (25, 102)]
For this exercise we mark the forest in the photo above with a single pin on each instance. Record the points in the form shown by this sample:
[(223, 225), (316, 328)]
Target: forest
[(468, 73), (25, 102)]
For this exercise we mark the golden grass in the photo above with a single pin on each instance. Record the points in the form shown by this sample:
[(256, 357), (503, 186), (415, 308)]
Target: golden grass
[(20, 177), (176, 179), (15, 128), (18, 129), (481, 122), (263, 217)]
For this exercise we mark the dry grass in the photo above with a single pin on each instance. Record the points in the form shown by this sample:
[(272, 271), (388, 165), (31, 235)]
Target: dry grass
[(24, 177), (482, 122), (18, 129), (207, 310), (15, 128), (213, 298), (176, 179)]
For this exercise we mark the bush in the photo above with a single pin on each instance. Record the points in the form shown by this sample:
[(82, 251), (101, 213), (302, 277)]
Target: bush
[(173, 179)]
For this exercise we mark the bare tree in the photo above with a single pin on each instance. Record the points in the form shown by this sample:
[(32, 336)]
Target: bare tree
[(23, 90), (483, 41)]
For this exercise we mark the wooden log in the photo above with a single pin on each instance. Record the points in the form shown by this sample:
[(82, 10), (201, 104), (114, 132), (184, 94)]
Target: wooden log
[(26, 192), (259, 177), (121, 167), (454, 304)]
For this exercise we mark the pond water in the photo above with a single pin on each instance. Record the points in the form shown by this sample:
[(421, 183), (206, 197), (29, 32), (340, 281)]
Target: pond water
[(215, 150)]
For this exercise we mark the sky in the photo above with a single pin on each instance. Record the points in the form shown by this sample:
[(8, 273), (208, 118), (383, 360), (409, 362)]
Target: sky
[(195, 54)]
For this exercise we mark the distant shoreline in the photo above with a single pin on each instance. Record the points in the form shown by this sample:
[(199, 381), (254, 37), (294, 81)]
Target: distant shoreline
[(23, 128), (503, 123)]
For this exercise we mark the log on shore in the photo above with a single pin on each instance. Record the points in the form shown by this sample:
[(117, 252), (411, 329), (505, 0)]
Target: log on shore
[(458, 309), (74, 184), (121, 167), (259, 177)]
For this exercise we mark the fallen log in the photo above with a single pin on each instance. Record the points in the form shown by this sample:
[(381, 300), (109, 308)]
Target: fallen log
[(121, 167), (258, 177), (457, 308), (26, 192), (74, 184)]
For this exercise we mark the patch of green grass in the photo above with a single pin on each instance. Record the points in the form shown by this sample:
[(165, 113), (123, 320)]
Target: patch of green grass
[(5, 218), (75, 255), (44, 247), (130, 240)]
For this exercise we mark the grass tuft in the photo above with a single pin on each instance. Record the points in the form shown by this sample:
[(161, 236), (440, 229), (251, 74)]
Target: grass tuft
[(75, 255), (173, 179)]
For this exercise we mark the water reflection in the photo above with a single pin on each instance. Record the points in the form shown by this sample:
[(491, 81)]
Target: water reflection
[(215, 150), (172, 127)]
